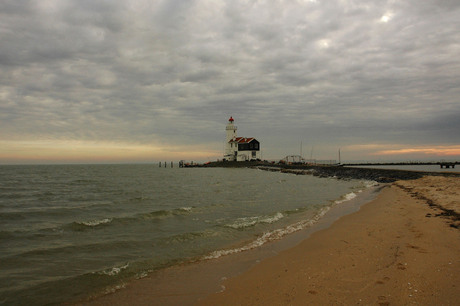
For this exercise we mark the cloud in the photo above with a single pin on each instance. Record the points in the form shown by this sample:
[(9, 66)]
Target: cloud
[(429, 151), (329, 73)]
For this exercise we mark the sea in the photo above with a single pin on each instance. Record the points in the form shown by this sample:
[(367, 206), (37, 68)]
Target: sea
[(72, 231)]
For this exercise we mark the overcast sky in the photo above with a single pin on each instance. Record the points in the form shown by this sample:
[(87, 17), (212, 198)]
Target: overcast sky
[(126, 80)]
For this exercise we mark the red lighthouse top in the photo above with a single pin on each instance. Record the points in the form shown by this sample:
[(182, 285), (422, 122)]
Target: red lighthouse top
[(231, 119)]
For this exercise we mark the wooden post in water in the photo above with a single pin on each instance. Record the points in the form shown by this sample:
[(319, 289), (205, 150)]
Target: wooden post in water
[(165, 165), (160, 164), (172, 165)]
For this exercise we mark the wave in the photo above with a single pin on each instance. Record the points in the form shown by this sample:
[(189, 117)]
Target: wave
[(154, 215), (56, 290), (113, 271), (82, 225), (139, 199), (27, 212), (79, 226), (271, 235), (179, 238), (67, 251), (84, 181), (12, 216), (352, 195), (31, 233), (163, 213), (369, 184), (347, 197), (6, 235), (244, 222), (94, 223), (279, 233)]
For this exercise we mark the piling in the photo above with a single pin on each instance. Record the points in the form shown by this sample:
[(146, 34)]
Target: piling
[(447, 165)]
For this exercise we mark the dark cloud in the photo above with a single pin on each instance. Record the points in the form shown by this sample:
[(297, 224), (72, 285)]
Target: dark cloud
[(326, 72)]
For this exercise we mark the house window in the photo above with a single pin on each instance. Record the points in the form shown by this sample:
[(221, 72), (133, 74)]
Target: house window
[(253, 153), (256, 146)]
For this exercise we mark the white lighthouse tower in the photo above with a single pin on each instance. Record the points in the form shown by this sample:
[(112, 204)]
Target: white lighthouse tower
[(230, 147)]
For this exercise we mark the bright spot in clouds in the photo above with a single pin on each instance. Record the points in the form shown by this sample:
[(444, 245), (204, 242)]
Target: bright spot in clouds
[(387, 17), (324, 43)]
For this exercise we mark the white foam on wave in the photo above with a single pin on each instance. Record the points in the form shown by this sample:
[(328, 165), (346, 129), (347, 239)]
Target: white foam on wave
[(271, 236), (347, 197), (251, 221), (274, 218), (115, 270), (115, 288), (352, 195), (369, 184), (97, 222), (186, 208)]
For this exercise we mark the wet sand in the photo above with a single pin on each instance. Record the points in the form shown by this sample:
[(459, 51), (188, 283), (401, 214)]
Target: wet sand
[(395, 250)]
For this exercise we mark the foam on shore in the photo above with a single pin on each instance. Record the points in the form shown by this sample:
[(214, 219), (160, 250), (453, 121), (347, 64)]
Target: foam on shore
[(278, 234)]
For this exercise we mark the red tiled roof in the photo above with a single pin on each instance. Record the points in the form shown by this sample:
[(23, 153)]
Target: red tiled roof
[(242, 139)]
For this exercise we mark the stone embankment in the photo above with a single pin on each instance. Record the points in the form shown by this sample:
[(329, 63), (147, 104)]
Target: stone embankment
[(378, 175)]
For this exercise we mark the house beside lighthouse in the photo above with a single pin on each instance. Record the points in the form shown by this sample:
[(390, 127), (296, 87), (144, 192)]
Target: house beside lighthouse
[(240, 148)]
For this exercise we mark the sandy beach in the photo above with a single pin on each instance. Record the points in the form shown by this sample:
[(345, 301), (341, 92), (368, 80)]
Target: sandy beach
[(401, 248), (394, 251)]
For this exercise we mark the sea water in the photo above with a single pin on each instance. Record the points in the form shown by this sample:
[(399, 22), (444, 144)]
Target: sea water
[(70, 231)]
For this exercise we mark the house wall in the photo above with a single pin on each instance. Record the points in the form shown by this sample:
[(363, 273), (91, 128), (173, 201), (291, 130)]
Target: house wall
[(252, 146), (247, 155)]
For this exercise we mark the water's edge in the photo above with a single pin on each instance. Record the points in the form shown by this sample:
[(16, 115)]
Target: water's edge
[(188, 282)]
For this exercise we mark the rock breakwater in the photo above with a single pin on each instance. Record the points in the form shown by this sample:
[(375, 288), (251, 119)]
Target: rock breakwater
[(340, 172), (378, 175)]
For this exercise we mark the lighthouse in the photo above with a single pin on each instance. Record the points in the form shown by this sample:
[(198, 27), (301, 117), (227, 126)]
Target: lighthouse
[(240, 148), (231, 135)]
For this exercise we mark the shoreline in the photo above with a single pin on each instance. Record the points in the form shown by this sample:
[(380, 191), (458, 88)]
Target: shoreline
[(397, 249), (388, 238), (188, 282)]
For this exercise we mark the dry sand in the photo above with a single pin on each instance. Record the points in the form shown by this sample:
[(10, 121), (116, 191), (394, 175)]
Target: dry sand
[(395, 250), (440, 192)]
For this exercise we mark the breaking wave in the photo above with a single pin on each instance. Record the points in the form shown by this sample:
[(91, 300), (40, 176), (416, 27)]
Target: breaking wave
[(271, 235), (96, 222), (154, 215), (244, 222), (347, 197), (114, 271)]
